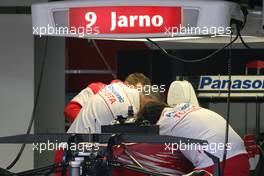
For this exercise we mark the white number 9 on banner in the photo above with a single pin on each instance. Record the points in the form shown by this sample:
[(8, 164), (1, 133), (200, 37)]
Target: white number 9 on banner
[(91, 18)]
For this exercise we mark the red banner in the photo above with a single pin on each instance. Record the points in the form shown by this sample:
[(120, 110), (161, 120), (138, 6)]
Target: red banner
[(126, 19)]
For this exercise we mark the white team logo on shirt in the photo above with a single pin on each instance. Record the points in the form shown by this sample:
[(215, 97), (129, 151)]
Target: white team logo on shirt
[(185, 111), (116, 93), (112, 95), (182, 111)]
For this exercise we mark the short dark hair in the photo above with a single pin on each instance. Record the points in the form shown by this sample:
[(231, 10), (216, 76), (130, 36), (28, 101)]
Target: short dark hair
[(151, 111), (135, 78)]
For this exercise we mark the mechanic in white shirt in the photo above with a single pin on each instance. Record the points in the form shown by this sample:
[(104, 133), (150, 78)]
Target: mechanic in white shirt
[(72, 109), (192, 121), (111, 101)]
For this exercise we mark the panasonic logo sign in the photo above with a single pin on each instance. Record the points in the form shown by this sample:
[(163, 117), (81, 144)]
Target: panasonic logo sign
[(238, 83)]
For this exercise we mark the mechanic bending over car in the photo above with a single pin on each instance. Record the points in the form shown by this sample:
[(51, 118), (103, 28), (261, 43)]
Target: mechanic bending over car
[(72, 109), (192, 121)]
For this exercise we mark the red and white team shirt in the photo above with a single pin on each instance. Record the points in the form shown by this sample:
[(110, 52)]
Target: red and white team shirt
[(109, 102), (83, 97), (191, 121), (73, 108)]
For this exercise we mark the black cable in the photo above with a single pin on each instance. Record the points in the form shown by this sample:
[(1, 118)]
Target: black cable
[(239, 25), (245, 14), (12, 164), (192, 60), (248, 47), (229, 71)]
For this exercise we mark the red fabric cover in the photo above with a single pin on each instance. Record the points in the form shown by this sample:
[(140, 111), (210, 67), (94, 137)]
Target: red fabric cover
[(178, 163), (235, 166)]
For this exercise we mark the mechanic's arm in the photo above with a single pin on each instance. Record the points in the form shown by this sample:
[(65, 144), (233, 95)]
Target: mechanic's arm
[(73, 108)]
